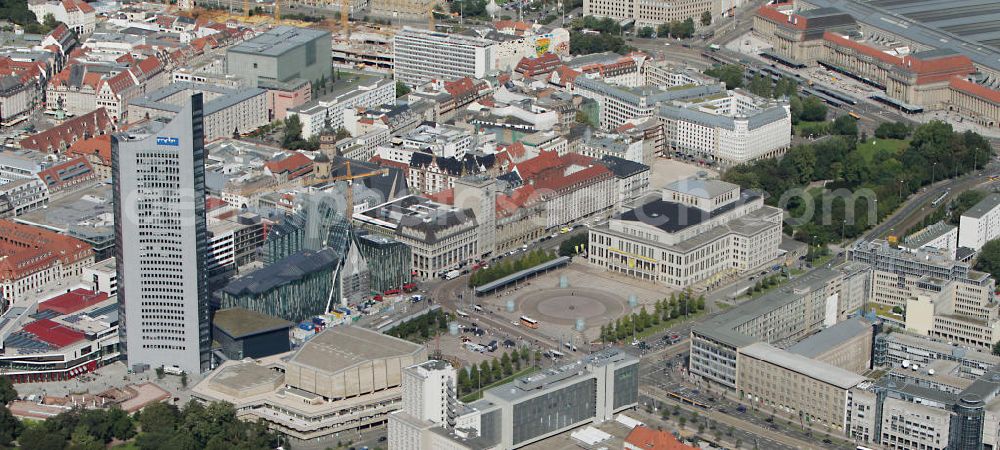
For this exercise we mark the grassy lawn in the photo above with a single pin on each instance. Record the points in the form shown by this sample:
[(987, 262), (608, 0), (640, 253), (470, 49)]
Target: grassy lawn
[(815, 127), (877, 146), (666, 325), (476, 395)]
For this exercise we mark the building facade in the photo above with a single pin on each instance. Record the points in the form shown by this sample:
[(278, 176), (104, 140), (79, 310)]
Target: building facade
[(699, 232), (980, 224), (421, 56), (282, 54), (161, 241)]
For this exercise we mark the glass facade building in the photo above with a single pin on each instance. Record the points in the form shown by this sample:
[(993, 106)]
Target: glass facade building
[(294, 288), (390, 262), (555, 410)]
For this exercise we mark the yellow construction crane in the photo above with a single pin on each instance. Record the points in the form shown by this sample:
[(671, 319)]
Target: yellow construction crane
[(349, 178), (430, 15), (345, 9)]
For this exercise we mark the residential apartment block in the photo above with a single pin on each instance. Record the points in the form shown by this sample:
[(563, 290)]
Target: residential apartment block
[(980, 224), (227, 111), (421, 56)]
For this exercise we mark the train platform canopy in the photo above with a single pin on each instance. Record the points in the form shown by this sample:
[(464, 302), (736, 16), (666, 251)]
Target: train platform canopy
[(906, 107)]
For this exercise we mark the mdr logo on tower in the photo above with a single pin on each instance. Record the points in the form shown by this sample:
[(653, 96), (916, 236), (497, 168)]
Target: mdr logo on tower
[(171, 141)]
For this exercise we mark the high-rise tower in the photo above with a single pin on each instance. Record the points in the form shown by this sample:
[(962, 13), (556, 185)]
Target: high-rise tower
[(161, 241)]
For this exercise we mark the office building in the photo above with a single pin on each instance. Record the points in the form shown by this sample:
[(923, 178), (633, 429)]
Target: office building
[(846, 345), (294, 288), (656, 12), (242, 333), (226, 111), (35, 259), (162, 240), (342, 380), (940, 235), (904, 414), (802, 307), (401, 10), (21, 196), (698, 232), (440, 236), (893, 348), (282, 54), (327, 112), (980, 224), (516, 414), (730, 129), (102, 276), (943, 297), (632, 179), (389, 261), (421, 56), (815, 391), (619, 104)]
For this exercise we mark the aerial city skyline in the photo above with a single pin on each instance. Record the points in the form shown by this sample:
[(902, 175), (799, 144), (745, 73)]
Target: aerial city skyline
[(499, 224)]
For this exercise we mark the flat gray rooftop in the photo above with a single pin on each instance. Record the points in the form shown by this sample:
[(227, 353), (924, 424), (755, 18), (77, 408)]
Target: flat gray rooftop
[(339, 348), (889, 15), (816, 370), (984, 206), (278, 41), (722, 326), (223, 97), (240, 322), (246, 375), (830, 338), (977, 20)]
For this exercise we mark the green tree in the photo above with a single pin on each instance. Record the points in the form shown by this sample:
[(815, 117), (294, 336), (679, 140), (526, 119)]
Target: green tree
[(892, 130), (663, 30), (646, 32), (158, 417), (731, 74), (813, 109), (401, 89), (10, 427), (463, 380), (159, 373), (989, 258), (996, 348), (293, 131), (845, 126), (485, 373), (706, 18), (40, 438), (506, 365), (49, 21), (497, 372), (474, 378), (7, 391)]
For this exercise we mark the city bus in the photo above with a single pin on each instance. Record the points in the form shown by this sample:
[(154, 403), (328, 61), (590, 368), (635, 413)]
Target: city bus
[(529, 322)]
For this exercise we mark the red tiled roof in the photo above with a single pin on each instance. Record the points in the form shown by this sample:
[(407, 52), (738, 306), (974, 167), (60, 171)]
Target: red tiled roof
[(100, 146), (389, 163), (649, 439), (213, 203), (538, 66), (511, 24), (519, 198), (460, 87), (295, 165), (53, 333), (25, 250), (67, 173), (551, 172), (72, 301), (786, 20), (974, 89), (69, 132), (566, 75), (931, 70), (862, 48), (445, 197)]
